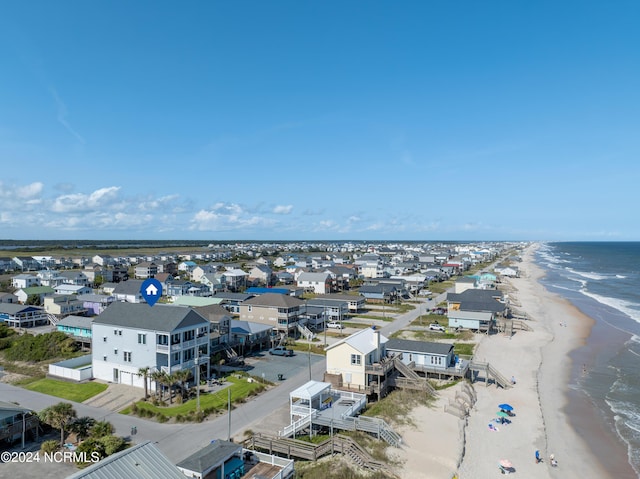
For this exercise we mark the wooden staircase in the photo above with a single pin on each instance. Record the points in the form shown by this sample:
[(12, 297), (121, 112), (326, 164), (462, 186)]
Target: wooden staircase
[(337, 444)]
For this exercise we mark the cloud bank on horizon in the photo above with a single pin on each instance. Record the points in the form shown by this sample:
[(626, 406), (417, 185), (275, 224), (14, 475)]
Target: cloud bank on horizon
[(293, 120), (111, 213)]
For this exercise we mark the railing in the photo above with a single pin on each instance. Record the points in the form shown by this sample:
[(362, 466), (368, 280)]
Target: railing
[(312, 452), (297, 425), (162, 348)]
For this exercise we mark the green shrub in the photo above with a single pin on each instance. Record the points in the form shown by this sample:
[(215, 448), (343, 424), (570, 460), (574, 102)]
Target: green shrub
[(50, 446), (161, 417), (112, 444)]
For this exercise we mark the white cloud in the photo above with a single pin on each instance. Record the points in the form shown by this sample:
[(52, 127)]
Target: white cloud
[(101, 198), (29, 191), (228, 216), (283, 209)]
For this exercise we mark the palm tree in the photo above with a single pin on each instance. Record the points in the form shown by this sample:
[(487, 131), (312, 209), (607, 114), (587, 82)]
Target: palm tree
[(157, 377), (102, 429), (170, 380), (145, 373), (82, 427), (59, 416), (182, 377)]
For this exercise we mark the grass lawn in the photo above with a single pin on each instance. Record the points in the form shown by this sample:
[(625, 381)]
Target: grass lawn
[(240, 389), (77, 392)]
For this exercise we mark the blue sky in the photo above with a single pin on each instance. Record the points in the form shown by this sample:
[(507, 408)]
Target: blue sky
[(277, 120)]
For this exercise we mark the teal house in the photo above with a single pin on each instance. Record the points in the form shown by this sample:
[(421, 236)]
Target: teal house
[(78, 326)]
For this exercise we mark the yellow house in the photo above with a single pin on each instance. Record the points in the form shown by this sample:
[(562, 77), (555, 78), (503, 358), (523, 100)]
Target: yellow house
[(359, 361)]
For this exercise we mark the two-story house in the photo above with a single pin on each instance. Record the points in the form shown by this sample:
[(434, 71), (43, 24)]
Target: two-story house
[(128, 291), (146, 270), (319, 283), (127, 337), (358, 362), (62, 305), (22, 281), (279, 311)]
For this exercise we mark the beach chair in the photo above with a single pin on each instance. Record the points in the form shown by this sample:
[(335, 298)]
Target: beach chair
[(504, 470)]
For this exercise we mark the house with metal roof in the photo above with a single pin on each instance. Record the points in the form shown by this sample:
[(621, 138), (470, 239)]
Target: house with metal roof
[(127, 337), (139, 460)]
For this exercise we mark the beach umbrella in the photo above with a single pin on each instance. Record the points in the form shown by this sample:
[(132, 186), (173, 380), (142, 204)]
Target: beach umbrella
[(506, 463), (506, 407), (502, 414)]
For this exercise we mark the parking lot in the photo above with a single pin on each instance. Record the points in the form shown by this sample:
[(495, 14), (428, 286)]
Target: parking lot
[(268, 367)]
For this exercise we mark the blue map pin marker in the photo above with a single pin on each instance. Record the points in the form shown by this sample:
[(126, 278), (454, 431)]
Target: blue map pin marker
[(151, 290)]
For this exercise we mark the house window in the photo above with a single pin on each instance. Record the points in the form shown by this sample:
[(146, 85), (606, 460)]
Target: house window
[(176, 357), (120, 332), (104, 358), (356, 359), (104, 339), (142, 338), (115, 332), (127, 356), (249, 308)]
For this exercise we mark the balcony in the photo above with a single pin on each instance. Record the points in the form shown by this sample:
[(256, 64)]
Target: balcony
[(162, 348)]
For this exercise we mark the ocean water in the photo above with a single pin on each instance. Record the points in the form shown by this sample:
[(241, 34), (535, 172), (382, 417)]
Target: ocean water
[(602, 279)]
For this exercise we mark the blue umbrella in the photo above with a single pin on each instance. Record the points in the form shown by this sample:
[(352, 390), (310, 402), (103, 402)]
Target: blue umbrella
[(505, 407)]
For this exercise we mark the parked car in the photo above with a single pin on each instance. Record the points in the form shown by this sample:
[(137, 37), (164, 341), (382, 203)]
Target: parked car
[(281, 351), (335, 325), (436, 327)]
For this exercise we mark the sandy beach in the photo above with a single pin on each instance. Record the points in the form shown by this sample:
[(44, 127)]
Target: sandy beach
[(442, 445)]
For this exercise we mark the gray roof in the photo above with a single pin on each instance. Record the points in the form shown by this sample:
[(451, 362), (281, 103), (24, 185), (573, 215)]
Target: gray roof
[(157, 318), (96, 298), (141, 461), (248, 327), (210, 456), (424, 347), (131, 286), (73, 321), (13, 308), (274, 299)]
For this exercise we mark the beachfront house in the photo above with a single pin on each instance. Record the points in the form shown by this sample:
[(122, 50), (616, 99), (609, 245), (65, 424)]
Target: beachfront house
[(422, 355), (127, 337), (350, 359), (475, 309), (75, 326)]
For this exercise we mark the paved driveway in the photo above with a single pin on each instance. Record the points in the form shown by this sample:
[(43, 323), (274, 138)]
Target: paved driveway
[(265, 366)]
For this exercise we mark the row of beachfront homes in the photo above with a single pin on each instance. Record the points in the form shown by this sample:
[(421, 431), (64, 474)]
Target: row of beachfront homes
[(127, 337)]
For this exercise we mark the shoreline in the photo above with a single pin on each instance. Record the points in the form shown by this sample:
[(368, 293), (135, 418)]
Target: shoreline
[(552, 415)]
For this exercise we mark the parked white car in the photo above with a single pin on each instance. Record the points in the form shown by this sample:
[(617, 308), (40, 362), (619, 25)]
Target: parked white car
[(436, 327), (335, 325)]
